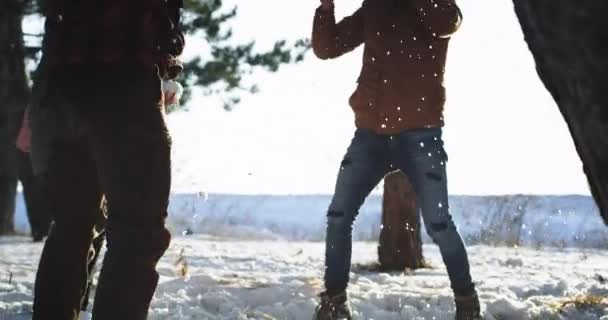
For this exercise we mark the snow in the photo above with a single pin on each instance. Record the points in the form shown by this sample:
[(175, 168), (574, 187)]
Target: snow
[(259, 257), (538, 221), (232, 279), (534, 221)]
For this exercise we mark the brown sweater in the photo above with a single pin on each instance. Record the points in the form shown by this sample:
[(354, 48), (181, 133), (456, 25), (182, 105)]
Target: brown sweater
[(401, 82)]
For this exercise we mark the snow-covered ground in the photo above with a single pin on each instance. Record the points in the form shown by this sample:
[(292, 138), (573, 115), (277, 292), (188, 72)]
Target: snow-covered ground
[(228, 279), (538, 221), (252, 257)]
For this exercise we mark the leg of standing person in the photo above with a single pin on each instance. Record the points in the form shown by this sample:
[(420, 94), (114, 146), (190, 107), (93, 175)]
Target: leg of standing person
[(35, 194), (423, 159), (362, 168), (131, 148), (74, 198)]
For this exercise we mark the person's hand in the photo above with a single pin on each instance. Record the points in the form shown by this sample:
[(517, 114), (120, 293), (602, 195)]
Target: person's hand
[(170, 67), (24, 138), (327, 4)]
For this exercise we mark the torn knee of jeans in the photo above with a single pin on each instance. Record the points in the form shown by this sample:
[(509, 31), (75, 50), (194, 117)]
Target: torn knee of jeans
[(335, 214), (438, 227), (434, 176)]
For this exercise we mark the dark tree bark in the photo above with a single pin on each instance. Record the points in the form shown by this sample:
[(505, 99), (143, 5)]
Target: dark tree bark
[(568, 40), (400, 244)]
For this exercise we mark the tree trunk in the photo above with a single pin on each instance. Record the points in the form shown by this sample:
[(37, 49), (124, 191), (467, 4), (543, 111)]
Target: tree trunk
[(400, 244), (14, 92), (568, 42)]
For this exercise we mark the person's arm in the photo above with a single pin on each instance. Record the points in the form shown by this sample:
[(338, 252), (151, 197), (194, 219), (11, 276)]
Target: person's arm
[(331, 39), (441, 17)]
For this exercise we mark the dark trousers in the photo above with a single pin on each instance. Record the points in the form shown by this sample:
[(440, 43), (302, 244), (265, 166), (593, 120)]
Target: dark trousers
[(421, 156), (35, 193), (16, 166), (111, 141)]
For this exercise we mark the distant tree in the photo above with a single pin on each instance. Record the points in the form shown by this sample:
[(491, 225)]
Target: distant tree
[(223, 71)]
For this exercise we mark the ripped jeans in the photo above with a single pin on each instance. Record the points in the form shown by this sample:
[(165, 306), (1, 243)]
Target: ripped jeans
[(421, 156)]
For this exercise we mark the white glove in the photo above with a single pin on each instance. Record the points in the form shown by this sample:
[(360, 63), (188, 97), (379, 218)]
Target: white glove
[(172, 93)]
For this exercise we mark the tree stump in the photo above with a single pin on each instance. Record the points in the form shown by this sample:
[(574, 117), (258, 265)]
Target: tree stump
[(400, 245)]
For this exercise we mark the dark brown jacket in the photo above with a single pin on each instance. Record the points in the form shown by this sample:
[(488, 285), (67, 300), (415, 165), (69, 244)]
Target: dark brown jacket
[(111, 31), (401, 82)]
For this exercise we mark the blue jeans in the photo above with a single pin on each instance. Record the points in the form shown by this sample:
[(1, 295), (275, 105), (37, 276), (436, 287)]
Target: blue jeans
[(421, 156)]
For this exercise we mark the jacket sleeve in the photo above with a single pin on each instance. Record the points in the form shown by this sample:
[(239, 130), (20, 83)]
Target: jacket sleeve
[(441, 17), (331, 39), (176, 39)]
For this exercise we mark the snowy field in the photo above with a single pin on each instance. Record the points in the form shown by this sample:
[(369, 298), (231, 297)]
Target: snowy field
[(533, 221), (228, 279)]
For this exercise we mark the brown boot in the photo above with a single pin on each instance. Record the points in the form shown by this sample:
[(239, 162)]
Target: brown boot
[(467, 307), (333, 307)]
